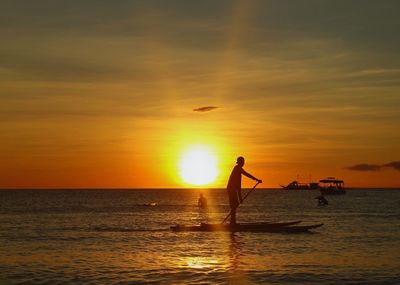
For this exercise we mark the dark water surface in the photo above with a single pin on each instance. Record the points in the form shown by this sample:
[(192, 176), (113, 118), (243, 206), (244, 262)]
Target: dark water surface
[(113, 237)]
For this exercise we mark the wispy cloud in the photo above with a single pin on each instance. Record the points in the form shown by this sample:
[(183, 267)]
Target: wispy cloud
[(205, 109), (393, 164), (364, 167), (374, 167)]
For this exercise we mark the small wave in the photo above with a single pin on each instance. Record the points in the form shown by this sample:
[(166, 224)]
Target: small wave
[(177, 205), (119, 229)]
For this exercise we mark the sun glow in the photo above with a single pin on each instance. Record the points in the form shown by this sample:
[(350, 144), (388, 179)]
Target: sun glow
[(198, 166)]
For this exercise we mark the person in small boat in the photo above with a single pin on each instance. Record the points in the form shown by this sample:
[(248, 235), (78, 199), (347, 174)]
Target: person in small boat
[(322, 200), (235, 187), (202, 202)]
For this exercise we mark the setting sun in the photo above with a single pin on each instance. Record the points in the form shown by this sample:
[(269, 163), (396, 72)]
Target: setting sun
[(198, 166)]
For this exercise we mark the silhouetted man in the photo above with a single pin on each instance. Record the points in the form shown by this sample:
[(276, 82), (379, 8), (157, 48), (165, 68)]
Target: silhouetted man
[(202, 202), (235, 185), (322, 200)]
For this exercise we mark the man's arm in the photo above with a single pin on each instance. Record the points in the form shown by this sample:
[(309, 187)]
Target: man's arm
[(250, 176)]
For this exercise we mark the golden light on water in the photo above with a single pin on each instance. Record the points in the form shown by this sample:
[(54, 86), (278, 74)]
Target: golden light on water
[(199, 262), (198, 165)]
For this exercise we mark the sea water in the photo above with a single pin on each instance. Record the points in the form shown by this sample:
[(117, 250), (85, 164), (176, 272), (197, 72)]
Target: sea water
[(123, 237)]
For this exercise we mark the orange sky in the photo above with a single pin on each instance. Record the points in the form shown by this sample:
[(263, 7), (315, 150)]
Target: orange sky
[(101, 94)]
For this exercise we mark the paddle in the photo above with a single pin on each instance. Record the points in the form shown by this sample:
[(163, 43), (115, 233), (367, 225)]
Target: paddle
[(244, 198)]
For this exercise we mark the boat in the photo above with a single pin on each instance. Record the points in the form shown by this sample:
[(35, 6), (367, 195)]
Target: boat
[(286, 227), (152, 204), (295, 185), (332, 186)]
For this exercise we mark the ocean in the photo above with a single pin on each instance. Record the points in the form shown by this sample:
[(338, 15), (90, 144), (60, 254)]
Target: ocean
[(123, 237)]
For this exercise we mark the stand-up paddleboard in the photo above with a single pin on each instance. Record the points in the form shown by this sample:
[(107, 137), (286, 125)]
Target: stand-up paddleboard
[(288, 227)]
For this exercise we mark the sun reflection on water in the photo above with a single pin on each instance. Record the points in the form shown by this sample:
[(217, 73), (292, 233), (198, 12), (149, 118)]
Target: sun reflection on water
[(200, 262)]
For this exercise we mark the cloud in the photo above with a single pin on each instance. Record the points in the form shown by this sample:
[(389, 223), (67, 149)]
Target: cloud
[(364, 167), (393, 164), (205, 109), (374, 167)]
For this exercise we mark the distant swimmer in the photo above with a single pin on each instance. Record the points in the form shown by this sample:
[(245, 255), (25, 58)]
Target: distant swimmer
[(152, 204), (322, 200), (202, 202), (235, 186)]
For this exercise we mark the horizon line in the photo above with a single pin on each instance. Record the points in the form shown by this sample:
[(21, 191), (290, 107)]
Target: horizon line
[(183, 188)]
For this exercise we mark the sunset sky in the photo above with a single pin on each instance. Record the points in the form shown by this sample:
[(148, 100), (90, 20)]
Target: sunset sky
[(112, 93)]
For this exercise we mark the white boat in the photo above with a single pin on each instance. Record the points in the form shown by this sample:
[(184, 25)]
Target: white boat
[(332, 186)]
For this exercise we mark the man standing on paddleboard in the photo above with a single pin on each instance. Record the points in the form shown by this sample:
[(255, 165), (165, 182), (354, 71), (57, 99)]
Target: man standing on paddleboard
[(235, 187)]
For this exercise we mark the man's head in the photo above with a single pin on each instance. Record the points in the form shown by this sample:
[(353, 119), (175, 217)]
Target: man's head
[(240, 161)]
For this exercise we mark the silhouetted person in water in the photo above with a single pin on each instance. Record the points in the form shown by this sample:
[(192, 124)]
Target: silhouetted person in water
[(235, 185), (202, 201), (322, 201)]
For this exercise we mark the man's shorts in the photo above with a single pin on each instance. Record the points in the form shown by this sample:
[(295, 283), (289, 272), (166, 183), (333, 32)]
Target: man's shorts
[(233, 198)]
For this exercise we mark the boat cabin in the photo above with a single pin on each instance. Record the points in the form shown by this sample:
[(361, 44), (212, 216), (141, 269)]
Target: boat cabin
[(331, 186)]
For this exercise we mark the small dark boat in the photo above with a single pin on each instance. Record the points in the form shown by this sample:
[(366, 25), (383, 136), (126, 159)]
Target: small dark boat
[(295, 185), (332, 186), (288, 227)]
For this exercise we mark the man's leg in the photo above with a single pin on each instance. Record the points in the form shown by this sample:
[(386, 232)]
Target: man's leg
[(233, 215)]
